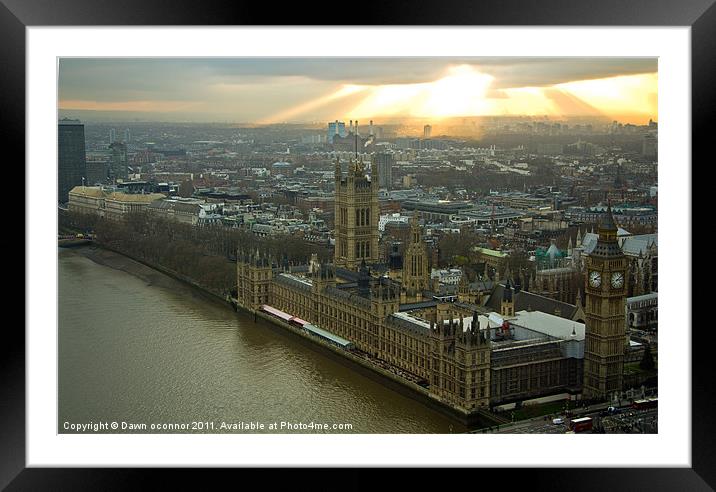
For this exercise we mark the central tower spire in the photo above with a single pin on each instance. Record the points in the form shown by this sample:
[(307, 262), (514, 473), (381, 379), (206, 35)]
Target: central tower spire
[(356, 214)]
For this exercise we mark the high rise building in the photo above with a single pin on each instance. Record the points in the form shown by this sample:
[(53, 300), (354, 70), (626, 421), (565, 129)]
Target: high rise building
[(336, 128), (112, 136), (649, 145), (127, 135), (96, 173), (427, 131), (605, 335), (71, 157), (385, 169), (118, 162), (356, 215)]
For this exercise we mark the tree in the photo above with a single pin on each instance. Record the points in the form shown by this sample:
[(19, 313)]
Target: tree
[(186, 188), (647, 361), (452, 246)]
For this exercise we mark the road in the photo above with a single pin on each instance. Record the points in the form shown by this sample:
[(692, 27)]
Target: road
[(626, 421)]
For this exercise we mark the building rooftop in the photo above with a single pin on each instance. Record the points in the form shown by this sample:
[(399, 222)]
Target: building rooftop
[(531, 302), (417, 305), (301, 282), (466, 320), (92, 191), (490, 252), (179, 206), (331, 336), (549, 324), (645, 297), (118, 196), (134, 197), (348, 295), (631, 245)]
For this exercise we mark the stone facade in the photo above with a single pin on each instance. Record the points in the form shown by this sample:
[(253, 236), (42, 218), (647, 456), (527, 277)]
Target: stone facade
[(604, 308), (357, 212), (113, 205), (415, 277), (465, 362), (466, 359)]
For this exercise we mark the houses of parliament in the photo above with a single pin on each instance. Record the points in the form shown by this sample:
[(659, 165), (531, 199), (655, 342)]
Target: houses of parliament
[(470, 355)]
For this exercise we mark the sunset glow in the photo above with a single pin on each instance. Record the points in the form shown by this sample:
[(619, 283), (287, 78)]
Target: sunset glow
[(635, 94), (464, 92), (460, 92), (280, 91)]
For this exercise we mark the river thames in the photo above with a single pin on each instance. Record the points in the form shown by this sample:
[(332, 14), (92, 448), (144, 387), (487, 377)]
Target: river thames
[(138, 347)]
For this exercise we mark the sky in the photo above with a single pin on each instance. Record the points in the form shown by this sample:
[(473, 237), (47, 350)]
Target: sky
[(296, 90)]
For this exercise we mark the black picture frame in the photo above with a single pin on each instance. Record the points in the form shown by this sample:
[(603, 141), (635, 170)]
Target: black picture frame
[(16, 15)]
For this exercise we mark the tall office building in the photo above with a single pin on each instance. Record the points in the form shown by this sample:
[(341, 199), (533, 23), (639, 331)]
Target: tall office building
[(96, 173), (127, 135), (427, 131), (71, 156), (385, 169), (649, 145), (118, 162), (112, 136)]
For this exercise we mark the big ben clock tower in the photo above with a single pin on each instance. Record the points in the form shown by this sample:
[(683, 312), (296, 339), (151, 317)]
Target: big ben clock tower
[(605, 336)]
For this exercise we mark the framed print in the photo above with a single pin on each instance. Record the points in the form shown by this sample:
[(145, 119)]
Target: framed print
[(423, 243)]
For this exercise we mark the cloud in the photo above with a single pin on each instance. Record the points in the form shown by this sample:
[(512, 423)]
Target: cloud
[(113, 75), (256, 88)]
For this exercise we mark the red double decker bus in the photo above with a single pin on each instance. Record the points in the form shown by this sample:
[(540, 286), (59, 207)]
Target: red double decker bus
[(646, 403), (581, 424)]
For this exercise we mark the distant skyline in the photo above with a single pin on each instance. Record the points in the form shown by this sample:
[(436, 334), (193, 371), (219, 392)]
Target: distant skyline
[(296, 90)]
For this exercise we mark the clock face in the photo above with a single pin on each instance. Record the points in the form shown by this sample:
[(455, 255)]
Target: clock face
[(617, 280), (595, 279)]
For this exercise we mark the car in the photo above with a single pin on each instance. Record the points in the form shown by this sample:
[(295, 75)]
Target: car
[(558, 421)]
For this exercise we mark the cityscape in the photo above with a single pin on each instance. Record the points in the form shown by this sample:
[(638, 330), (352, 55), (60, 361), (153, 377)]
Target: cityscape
[(368, 246)]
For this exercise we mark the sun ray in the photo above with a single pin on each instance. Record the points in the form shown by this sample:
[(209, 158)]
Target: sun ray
[(466, 91), (624, 94), (344, 91)]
